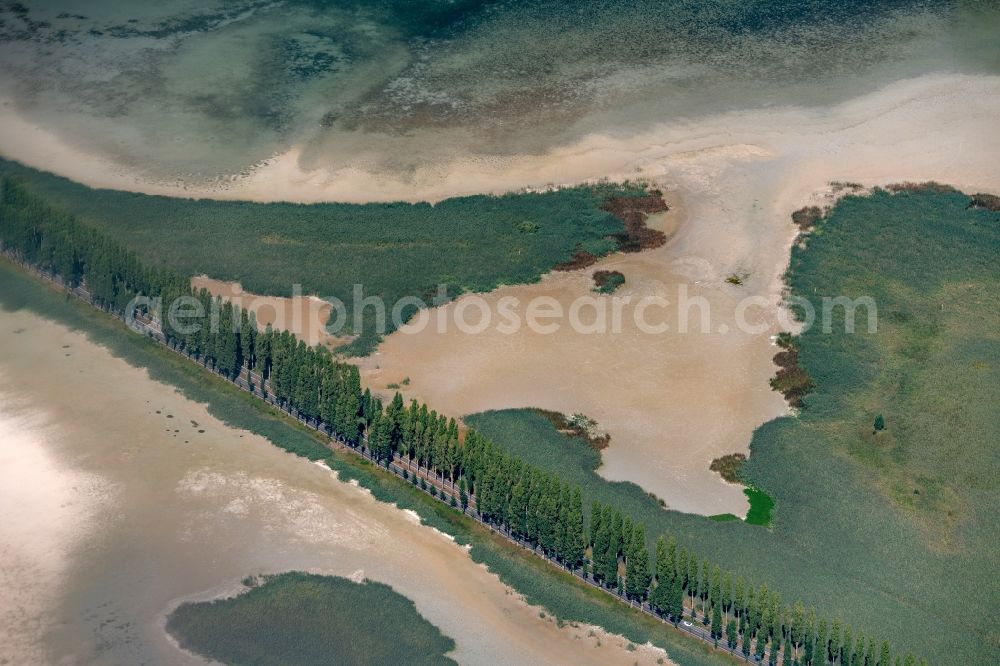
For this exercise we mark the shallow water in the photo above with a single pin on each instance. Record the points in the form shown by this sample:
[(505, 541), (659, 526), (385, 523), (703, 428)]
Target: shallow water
[(201, 92), (119, 498)]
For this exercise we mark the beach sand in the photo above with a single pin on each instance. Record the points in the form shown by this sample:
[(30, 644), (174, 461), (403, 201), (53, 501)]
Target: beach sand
[(121, 498)]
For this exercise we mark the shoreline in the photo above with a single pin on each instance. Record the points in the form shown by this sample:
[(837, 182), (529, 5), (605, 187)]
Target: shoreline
[(645, 154)]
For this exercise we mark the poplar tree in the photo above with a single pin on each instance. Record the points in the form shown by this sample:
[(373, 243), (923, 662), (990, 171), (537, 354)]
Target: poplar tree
[(846, 646), (595, 522), (797, 624), (715, 589), (858, 651), (761, 646), (658, 597), (562, 537), (704, 583), (626, 533), (763, 622), (731, 636), (727, 594), (682, 566), (821, 645), (751, 610), (518, 505), (676, 599), (602, 542), (833, 648), (884, 657), (614, 549), (576, 540), (227, 348), (716, 622), (739, 599), (637, 564), (248, 338), (692, 573)]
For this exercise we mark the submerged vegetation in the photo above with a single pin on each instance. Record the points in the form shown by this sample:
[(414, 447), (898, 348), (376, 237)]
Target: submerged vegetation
[(607, 282), (392, 250), (632, 209), (990, 202), (299, 618), (579, 425), (729, 466), (790, 380), (806, 218), (355, 79)]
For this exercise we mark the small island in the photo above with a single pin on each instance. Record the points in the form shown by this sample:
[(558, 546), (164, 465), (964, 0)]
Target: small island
[(607, 282), (306, 619)]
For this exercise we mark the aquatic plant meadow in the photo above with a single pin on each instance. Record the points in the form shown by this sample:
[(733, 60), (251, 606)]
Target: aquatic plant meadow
[(309, 619)]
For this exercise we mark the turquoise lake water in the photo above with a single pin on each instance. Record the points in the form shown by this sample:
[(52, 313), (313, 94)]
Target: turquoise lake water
[(192, 90)]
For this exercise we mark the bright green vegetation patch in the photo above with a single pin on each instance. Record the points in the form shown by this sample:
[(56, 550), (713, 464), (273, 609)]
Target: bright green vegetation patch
[(723, 517), (393, 249), (761, 506), (298, 618), (893, 530), (540, 582)]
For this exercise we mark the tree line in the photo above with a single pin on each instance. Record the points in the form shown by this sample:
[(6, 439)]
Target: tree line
[(537, 506)]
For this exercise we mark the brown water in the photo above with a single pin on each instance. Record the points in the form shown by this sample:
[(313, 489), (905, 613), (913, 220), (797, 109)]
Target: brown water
[(119, 498)]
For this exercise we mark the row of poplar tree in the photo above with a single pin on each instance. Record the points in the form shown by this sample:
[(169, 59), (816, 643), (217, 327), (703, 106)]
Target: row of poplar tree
[(535, 505)]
